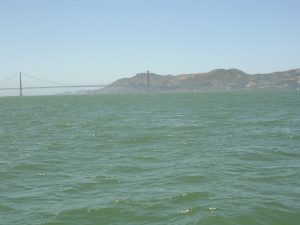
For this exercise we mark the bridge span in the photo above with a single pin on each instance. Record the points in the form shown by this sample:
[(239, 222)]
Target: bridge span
[(53, 84)]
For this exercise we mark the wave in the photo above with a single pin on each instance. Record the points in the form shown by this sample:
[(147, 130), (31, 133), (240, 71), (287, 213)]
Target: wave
[(99, 216)]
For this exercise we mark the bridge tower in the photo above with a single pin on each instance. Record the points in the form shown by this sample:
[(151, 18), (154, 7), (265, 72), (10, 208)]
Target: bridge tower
[(21, 89)]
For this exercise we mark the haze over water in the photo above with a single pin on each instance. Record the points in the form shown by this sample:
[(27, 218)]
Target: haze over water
[(200, 158)]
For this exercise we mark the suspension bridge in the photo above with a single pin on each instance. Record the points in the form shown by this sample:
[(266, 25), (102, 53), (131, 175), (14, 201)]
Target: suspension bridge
[(51, 84)]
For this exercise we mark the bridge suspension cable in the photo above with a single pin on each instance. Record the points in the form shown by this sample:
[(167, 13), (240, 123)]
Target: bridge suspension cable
[(8, 78), (46, 81)]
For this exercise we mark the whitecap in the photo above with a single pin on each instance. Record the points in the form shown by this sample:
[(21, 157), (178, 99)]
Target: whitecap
[(185, 211)]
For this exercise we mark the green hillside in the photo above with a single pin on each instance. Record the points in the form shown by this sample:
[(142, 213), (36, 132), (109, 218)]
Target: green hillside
[(215, 80)]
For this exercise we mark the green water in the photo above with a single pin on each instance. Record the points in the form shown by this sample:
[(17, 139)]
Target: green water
[(228, 158)]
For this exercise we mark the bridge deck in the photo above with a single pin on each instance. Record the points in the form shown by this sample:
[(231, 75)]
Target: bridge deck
[(48, 87)]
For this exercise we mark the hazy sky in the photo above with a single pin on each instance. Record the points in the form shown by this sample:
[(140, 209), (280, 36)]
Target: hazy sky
[(95, 41)]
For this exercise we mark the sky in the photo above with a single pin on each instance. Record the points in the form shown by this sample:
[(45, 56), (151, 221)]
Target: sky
[(99, 41)]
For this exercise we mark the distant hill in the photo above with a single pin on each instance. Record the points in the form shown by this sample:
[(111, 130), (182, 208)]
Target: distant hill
[(215, 80)]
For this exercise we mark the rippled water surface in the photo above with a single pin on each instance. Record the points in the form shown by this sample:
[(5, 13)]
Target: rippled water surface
[(203, 158)]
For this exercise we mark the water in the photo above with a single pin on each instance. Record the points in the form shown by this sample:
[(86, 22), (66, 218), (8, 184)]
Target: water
[(202, 158)]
